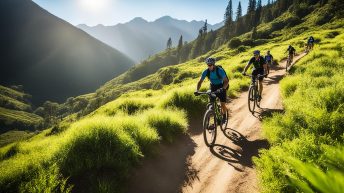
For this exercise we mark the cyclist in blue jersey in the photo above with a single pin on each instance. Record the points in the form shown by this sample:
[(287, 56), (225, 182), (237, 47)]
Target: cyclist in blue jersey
[(268, 58), (218, 82), (259, 66)]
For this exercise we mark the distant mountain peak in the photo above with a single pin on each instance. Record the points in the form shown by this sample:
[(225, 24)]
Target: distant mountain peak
[(138, 20)]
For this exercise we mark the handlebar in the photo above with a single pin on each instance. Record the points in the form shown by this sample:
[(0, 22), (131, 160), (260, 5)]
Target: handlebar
[(258, 76), (209, 92)]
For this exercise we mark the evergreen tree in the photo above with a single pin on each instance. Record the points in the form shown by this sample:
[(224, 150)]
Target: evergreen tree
[(169, 43), (228, 21), (205, 27), (228, 16), (180, 43), (258, 13), (269, 2), (238, 12)]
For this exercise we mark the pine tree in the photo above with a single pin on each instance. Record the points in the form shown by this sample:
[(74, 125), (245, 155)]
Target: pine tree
[(169, 43), (228, 16), (238, 12), (269, 2), (228, 21), (180, 43), (205, 27), (239, 22), (258, 13)]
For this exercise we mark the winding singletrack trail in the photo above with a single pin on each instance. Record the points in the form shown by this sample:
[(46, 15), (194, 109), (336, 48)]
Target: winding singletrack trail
[(189, 166)]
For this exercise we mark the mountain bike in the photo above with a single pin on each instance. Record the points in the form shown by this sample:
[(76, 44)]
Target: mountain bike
[(288, 63), (253, 93), (212, 117), (309, 47)]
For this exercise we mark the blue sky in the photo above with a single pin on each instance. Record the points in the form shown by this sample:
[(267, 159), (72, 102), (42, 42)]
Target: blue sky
[(111, 12)]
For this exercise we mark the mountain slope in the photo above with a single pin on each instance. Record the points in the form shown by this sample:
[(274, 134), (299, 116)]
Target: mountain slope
[(139, 39), (49, 57), (16, 111)]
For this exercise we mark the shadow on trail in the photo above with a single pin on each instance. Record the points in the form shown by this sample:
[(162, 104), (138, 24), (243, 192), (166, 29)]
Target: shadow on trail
[(266, 112), (242, 157), (168, 171)]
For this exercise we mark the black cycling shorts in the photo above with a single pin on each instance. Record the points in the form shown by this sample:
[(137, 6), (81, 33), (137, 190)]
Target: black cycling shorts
[(257, 71), (221, 95)]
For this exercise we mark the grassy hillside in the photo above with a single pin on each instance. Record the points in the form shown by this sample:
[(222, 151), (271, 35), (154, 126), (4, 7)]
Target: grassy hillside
[(17, 121), (99, 151), (307, 139)]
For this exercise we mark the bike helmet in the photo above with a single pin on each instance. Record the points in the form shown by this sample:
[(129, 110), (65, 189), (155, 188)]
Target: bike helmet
[(210, 61), (268, 51), (256, 52)]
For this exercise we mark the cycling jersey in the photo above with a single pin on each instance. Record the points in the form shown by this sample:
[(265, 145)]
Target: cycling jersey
[(257, 63), (214, 79), (268, 58), (291, 50)]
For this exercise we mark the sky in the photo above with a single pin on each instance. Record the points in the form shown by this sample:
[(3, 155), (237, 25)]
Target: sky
[(112, 12)]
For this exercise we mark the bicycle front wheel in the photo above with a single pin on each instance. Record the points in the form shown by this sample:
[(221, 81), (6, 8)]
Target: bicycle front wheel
[(251, 99), (209, 127)]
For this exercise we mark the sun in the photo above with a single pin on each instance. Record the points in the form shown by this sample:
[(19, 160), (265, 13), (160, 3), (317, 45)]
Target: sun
[(93, 5)]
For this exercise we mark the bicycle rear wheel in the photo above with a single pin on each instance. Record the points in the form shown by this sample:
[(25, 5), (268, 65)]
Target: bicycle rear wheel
[(209, 127), (251, 99)]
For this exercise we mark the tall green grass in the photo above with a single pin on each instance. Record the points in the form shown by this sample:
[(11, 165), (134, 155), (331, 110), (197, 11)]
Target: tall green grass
[(94, 154), (308, 137)]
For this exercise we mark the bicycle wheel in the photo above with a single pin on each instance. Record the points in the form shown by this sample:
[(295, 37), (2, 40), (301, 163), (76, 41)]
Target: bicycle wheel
[(224, 125), (209, 127), (251, 99), (256, 97)]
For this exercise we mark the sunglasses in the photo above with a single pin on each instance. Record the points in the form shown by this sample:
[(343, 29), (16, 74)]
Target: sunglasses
[(210, 65)]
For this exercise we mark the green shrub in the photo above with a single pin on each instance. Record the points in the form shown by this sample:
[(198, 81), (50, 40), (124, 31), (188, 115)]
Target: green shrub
[(168, 123), (234, 42)]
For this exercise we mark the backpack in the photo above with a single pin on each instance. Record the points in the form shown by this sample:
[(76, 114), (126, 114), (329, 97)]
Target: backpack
[(218, 74)]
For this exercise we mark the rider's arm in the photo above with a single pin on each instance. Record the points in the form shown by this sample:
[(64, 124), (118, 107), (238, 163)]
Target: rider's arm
[(247, 66), (199, 84), (225, 82)]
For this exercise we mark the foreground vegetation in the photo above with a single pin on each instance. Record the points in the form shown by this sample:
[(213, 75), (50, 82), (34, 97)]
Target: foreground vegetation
[(307, 139)]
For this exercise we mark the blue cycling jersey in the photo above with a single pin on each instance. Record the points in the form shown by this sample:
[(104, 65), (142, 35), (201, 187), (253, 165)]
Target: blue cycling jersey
[(214, 79)]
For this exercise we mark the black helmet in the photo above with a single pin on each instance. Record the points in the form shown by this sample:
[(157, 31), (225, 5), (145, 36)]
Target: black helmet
[(210, 61), (256, 52)]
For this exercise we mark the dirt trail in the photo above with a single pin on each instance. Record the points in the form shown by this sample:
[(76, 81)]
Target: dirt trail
[(189, 166)]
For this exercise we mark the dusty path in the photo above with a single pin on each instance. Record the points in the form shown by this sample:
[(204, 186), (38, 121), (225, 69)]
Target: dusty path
[(189, 166)]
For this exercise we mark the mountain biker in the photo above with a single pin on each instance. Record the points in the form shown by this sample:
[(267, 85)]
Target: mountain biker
[(310, 42), (259, 66), (291, 50), (218, 82), (268, 58)]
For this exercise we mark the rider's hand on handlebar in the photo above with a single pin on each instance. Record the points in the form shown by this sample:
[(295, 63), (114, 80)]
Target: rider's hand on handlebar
[(220, 90)]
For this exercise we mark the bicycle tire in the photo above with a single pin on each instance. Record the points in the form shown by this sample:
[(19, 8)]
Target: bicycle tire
[(224, 125), (256, 97), (251, 99), (208, 117)]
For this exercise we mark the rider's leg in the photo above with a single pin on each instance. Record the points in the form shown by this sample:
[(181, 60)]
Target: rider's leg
[(260, 83), (223, 108)]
